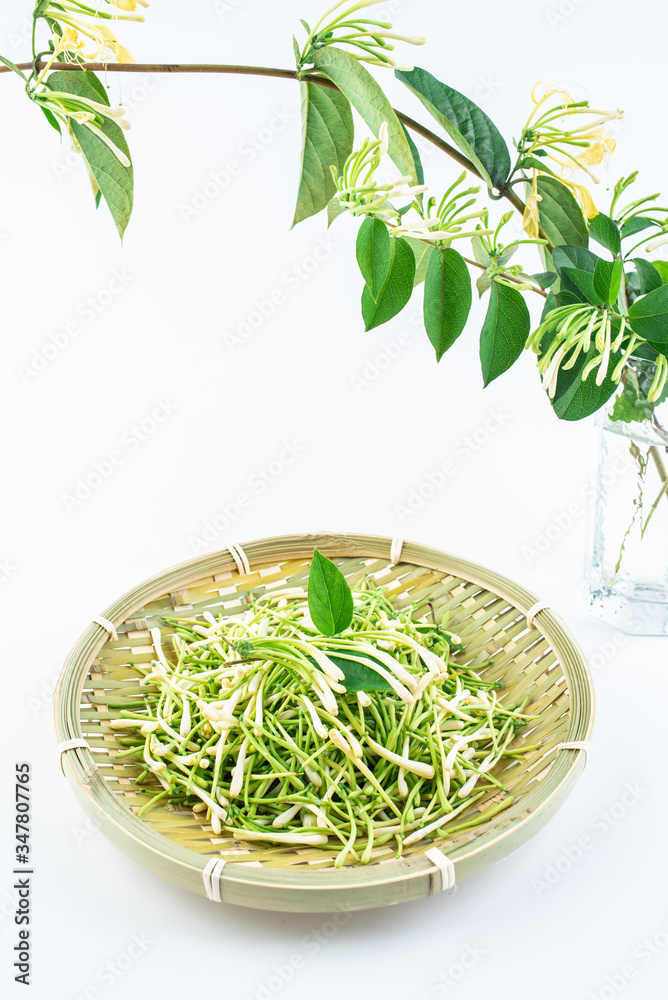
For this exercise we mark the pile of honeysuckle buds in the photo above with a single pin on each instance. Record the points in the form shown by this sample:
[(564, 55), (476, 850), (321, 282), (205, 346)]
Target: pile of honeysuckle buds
[(275, 732)]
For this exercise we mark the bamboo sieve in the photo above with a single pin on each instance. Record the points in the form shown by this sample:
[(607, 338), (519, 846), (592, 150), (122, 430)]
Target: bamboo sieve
[(536, 657)]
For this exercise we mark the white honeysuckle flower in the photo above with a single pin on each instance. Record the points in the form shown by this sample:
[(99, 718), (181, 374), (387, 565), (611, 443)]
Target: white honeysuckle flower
[(656, 243), (383, 138)]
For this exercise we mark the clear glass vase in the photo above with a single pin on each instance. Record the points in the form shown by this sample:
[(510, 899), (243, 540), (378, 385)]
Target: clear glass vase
[(627, 579)]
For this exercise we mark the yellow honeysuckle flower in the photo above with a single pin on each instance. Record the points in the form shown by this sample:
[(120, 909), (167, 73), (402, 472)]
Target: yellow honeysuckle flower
[(128, 4), (583, 195), (531, 217), (600, 149), (550, 91)]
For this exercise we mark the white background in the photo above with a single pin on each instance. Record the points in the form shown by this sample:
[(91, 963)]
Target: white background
[(365, 438)]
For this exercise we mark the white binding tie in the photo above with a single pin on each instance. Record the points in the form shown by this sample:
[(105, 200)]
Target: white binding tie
[(446, 872), (76, 744), (213, 875), (240, 558), (395, 550), (533, 611), (583, 745), (107, 626)]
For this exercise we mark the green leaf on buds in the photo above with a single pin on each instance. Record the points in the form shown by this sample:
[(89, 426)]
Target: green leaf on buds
[(467, 125), (115, 181), (369, 100), (648, 317), (649, 277), (561, 217), (359, 673), (504, 332), (608, 280), (374, 255), (447, 299), (575, 399), (327, 140), (330, 600), (397, 288), (606, 233)]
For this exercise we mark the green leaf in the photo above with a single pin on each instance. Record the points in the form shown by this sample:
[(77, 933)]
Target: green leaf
[(52, 120), (649, 277), (545, 278), (575, 399), (467, 125), (608, 280), (605, 231), (662, 268), (422, 251), (648, 317), (115, 181), (561, 217), (447, 299), (14, 68), (330, 599), (530, 162), (396, 291), (504, 332), (567, 256), (418, 173), (327, 140), (374, 255), (359, 673), (583, 282), (334, 210), (368, 99), (636, 224), (297, 51)]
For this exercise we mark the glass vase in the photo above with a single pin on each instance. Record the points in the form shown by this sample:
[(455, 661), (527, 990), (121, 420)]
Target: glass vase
[(627, 579)]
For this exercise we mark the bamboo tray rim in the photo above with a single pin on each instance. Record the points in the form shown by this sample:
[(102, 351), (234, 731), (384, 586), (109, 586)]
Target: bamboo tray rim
[(564, 766)]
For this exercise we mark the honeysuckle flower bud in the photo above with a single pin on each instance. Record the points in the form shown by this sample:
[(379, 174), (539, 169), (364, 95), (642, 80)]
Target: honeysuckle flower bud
[(655, 244)]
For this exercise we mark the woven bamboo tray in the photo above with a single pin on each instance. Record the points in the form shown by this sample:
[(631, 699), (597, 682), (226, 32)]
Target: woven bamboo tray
[(540, 659)]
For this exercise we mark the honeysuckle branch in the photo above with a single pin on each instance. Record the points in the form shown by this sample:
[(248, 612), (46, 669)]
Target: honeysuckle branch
[(268, 71)]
